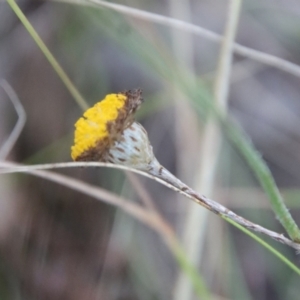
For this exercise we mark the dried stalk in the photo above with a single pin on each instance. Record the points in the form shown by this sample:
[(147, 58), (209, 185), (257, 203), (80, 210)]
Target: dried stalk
[(174, 183), (54, 63), (15, 133), (259, 56), (148, 216), (164, 177)]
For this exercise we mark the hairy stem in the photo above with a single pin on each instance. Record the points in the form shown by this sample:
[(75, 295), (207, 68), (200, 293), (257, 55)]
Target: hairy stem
[(163, 176), (217, 208)]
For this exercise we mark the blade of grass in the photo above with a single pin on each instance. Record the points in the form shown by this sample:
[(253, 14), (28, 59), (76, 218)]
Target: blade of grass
[(266, 245), (236, 283), (265, 178), (181, 256), (177, 249), (54, 63)]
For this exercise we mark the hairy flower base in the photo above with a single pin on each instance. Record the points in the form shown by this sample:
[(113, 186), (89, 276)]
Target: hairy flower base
[(133, 149)]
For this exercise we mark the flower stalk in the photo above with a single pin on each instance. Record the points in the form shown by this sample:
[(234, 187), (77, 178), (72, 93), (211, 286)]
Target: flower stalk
[(118, 139)]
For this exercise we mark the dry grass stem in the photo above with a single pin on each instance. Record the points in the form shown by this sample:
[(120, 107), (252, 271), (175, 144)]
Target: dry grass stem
[(171, 181), (143, 215), (141, 191), (149, 217), (226, 56), (262, 57), (164, 177), (15, 133), (211, 145)]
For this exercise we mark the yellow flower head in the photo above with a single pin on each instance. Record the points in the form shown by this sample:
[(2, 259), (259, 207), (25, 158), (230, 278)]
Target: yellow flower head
[(103, 124)]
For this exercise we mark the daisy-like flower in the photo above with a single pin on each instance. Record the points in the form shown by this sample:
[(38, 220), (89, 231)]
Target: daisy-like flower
[(107, 132)]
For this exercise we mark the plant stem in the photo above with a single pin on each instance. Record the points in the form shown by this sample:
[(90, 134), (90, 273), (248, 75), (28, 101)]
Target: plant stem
[(215, 207), (256, 55), (265, 178), (164, 177), (264, 244), (56, 66)]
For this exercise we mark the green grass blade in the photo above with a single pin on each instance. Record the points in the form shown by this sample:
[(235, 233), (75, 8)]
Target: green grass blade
[(265, 178), (266, 245), (56, 66), (195, 278)]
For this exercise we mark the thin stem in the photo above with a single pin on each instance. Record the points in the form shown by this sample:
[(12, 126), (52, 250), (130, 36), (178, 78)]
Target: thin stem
[(192, 274), (225, 61), (264, 244), (54, 63), (211, 145), (141, 191), (259, 56), (266, 179), (217, 208), (15, 133), (186, 144), (164, 177), (196, 281)]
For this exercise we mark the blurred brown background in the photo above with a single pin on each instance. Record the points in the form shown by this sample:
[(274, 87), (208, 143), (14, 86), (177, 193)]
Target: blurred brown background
[(56, 243)]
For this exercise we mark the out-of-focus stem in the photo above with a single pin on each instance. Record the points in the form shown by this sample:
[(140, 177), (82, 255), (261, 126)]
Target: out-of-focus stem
[(174, 183), (266, 179), (54, 63), (163, 176)]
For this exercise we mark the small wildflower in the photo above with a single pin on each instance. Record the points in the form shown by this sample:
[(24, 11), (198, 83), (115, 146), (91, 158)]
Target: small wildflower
[(107, 132)]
